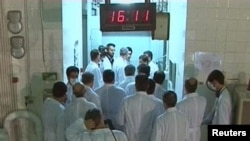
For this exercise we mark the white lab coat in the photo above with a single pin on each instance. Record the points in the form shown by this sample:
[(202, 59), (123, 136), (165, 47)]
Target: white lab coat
[(77, 132), (53, 120), (118, 68), (106, 64), (93, 68), (93, 97), (130, 89), (171, 126), (70, 95), (193, 106), (77, 109), (159, 91), (126, 81), (160, 106), (153, 69), (111, 97), (137, 114), (223, 109)]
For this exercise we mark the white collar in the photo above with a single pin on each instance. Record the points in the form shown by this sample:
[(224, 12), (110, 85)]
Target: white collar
[(109, 85), (101, 130), (141, 93), (191, 95), (171, 109)]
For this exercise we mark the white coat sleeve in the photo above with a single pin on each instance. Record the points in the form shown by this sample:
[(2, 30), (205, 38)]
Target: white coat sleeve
[(223, 113), (60, 128), (75, 131), (187, 131), (120, 119), (122, 137), (157, 131), (97, 76)]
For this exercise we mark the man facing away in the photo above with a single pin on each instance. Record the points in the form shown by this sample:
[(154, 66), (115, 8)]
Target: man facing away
[(94, 68), (193, 106), (98, 131), (137, 112), (72, 73), (52, 116), (159, 77), (129, 72), (171, 125), (79, 106)]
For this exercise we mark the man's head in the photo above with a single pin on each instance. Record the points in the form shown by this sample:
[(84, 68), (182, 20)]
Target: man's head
[(110, 49), (129, 70), (108, 76), (130, 52), (79, 90), (191, 85), (169, 98), (124, 53), (141, 82), (149, 54), (95, 55), (159, 77), (143, 59), (216, 78), (96, 116), (59, 92), (103, 51), (143, 69), (88, 79), (151, 87), (72, 73)]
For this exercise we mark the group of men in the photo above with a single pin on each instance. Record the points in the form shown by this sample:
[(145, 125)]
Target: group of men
[(119, 104)]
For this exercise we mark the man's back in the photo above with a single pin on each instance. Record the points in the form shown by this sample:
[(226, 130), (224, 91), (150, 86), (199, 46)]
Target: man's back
[(171, 126), (93, 68), (159, 91), (130, 89)]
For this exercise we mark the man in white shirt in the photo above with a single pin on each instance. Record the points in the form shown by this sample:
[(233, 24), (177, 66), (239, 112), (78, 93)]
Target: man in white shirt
[(143, 59), (171, 125), (72, 73), (152, 65), (79, 106), (94, 68), (90, 95), (221, 114), (137, 112), (119, 64), (159, 77), (130, 52), (193, 106), (129, 72), (52, 115), (99, 132), (111, 96), (108, 60)]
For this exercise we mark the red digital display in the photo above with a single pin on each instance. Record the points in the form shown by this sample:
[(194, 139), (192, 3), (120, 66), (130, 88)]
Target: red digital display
[(129, 17)]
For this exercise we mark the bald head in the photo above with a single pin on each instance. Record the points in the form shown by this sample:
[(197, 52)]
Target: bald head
[(79, 90), (169, 98), (191, 85)]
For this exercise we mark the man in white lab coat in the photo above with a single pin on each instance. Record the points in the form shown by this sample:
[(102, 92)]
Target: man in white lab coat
[(94, 68), (52, 115), (137, 112), (78, 107), (152, 65), (141, 69), (110, 96), (129, 72), (72, 73), (150, 92), (90, 95), (108, 60), (143, 59), (193, 106), (119, 64), (98, 132), (221, 114), (171, 125), (130, 52), (159, 77)]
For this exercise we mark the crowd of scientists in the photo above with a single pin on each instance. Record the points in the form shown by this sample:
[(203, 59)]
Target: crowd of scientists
[(113, 100)]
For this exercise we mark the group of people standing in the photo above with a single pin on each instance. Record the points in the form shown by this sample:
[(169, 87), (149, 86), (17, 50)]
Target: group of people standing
[(116, 101)]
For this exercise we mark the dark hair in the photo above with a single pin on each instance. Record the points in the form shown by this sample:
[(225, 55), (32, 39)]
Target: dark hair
[(216, 75), (141, 82), (130, 49), (144, 58), (94, 54), (159, 77), (170, 98), (95, 115), (108, 76), (143, 68), (110, 44), (149, 53), (103, 50), (87, 77), (59, 89), (151, 86), (191, 84), (71, 69), (129, 70)]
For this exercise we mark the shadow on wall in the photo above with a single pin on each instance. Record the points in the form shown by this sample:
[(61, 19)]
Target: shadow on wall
[(190, 71)]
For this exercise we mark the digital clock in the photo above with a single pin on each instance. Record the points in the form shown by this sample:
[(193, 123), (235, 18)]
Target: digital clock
[(128, 17)]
